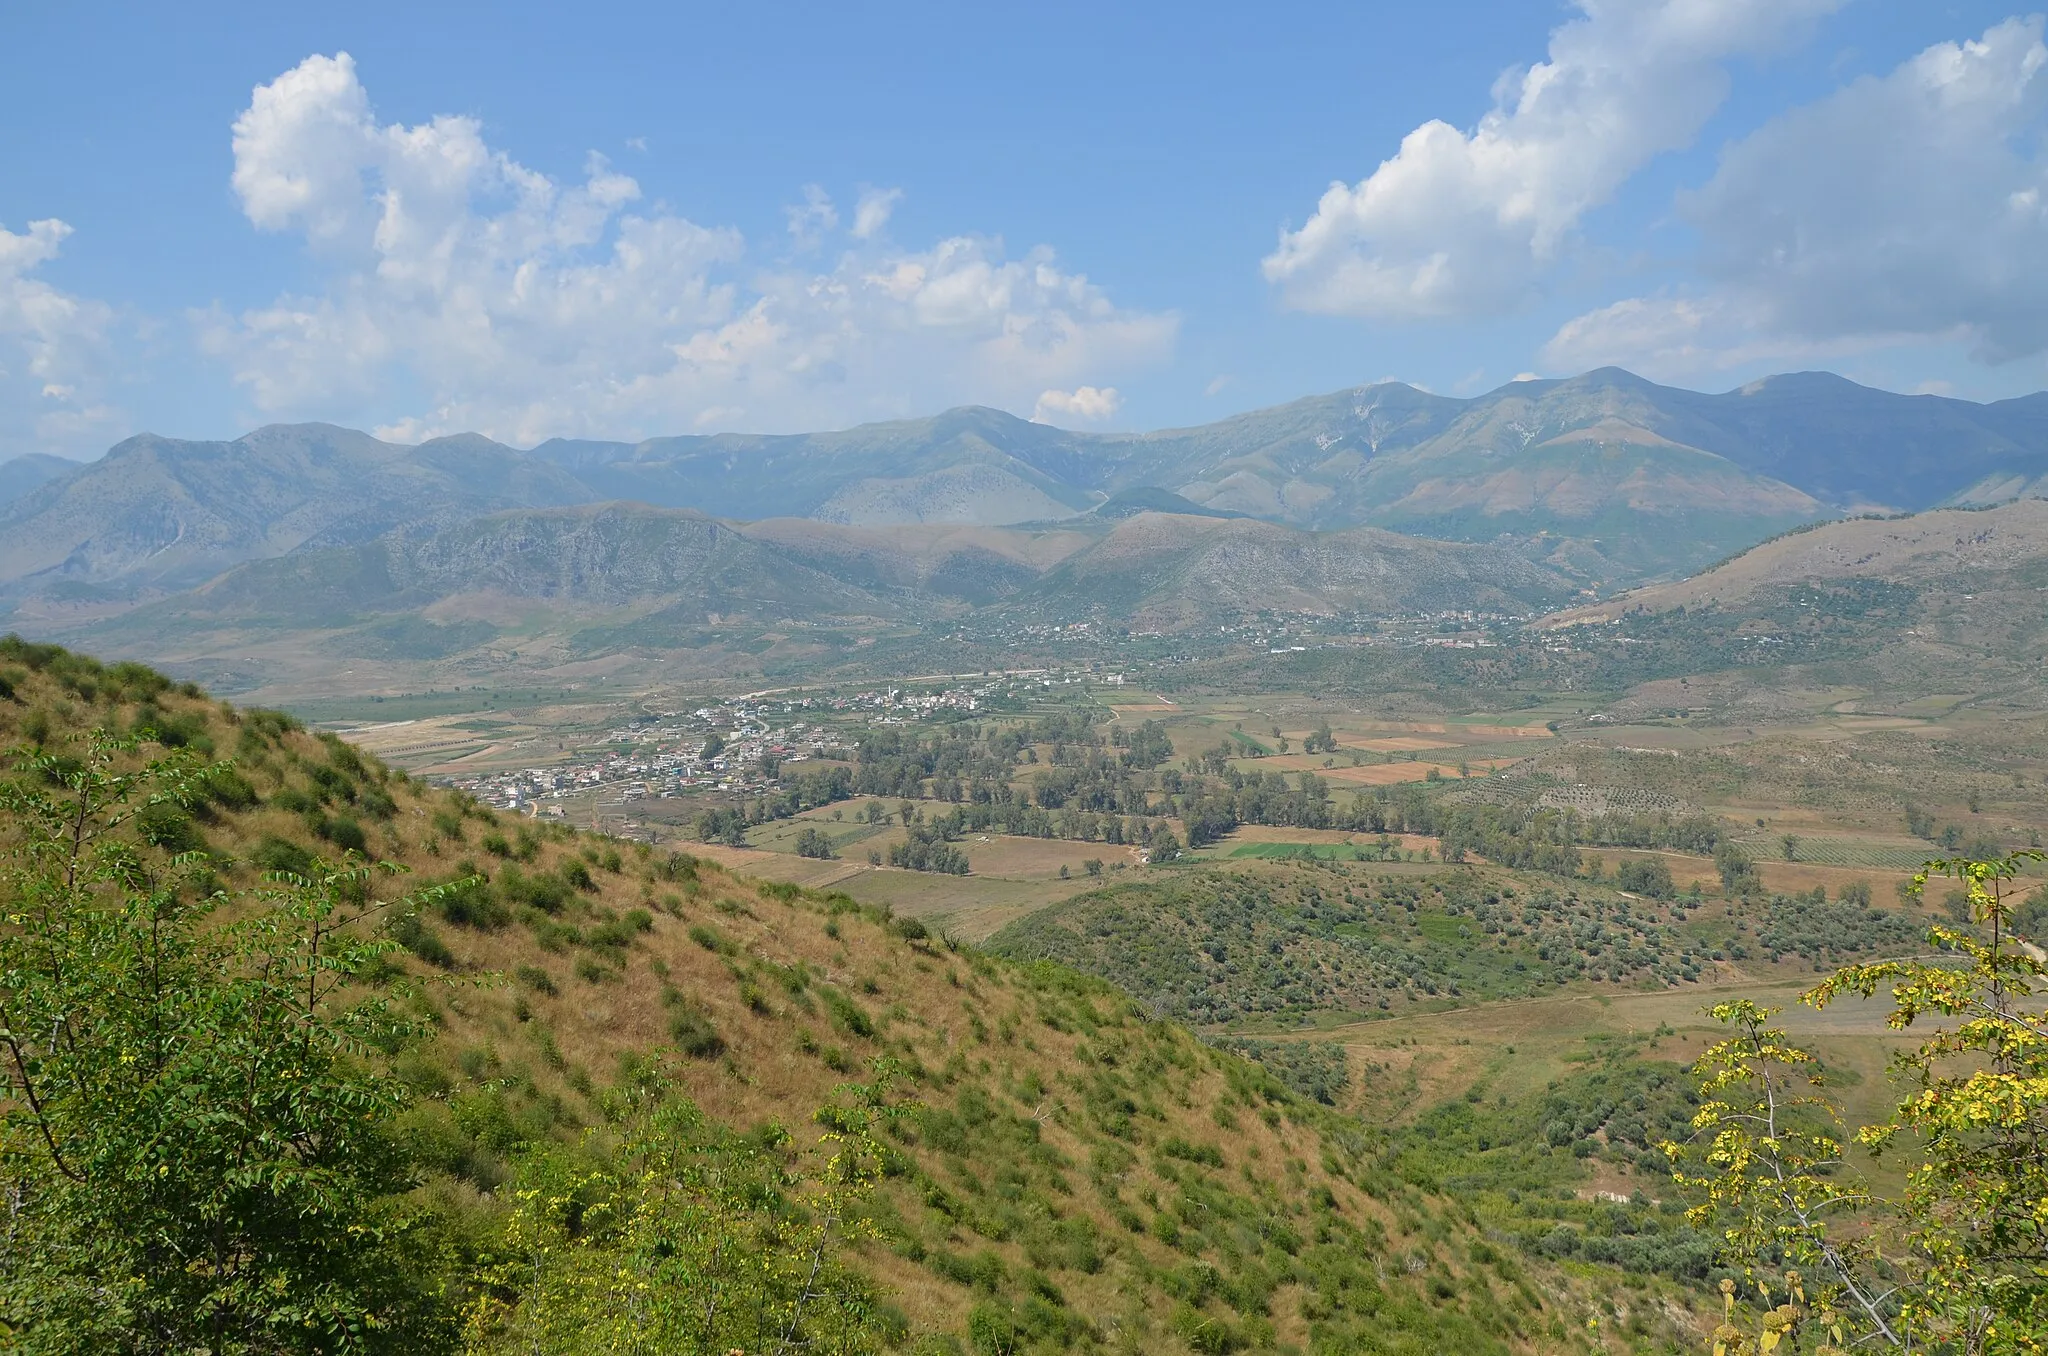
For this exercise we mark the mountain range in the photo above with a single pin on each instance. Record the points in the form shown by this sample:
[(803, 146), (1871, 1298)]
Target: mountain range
[(605, 578), (1605, 477), (1973, 554)]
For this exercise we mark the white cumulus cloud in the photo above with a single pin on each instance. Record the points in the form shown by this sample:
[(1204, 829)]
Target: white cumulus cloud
[(872, 212), (460, 289), (1089, 404), (1461, 224), (1684, 335), (1911, 206), (55, 354), (809, 223)]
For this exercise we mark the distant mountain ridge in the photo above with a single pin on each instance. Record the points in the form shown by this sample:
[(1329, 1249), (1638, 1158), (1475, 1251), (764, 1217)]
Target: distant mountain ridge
[(685, 569), (163, 513), (1605, 476), (1953, 549), (30, 471)]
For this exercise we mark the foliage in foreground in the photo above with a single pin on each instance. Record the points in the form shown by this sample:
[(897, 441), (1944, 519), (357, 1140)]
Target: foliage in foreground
[(194, 1144), (197, 1141), (690, 1239), (1957, 1259)]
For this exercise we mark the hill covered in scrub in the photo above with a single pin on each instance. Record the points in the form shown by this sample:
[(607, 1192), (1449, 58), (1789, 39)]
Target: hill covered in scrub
[(1046, 1168)]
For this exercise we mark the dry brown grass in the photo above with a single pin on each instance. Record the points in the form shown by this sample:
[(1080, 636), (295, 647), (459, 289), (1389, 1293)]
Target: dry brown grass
[(931, 1008)]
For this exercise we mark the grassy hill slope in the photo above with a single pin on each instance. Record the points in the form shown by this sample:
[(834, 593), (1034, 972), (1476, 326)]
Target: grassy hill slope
[(1069, 1174), (1939, 546)]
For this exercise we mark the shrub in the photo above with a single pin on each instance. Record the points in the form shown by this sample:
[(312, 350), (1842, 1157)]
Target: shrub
[(541, 890), (617, 934), (848, 1015), (537, 979), (410, 931), (677, 867), (691, 1029), (711, 939), (167, 826), (230, 790), (1652, 878), (344, 833), (1208, 1155), (296, 800), (469, 902), (281, 854)]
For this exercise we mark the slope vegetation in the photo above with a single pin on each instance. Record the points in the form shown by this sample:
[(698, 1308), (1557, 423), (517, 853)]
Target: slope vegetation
[(1161, 572), (1066, 1174), (1943, 546), (613, 578)]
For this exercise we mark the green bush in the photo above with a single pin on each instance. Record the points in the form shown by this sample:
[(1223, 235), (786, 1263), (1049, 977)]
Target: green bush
[(847, 1015), (167, 826), (1208, 1155), (711, 939), (345, 833), (692, 1031), (469, 901), (411, 931), (1651, 877), (281, 854), (542, 890)]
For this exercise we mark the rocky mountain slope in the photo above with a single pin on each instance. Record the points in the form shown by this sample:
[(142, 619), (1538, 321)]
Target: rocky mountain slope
[(1949, 549), (158, 513), (1153, 570), (1608, 475), (1170, 573), (20, 475)]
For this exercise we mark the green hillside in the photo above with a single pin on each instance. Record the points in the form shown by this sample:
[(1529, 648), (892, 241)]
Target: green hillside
[(588, 1075)]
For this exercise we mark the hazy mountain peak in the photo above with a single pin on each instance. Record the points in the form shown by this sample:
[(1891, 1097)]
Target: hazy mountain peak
[(1805, 383), (1665, 479), (466, 442), (314, 439)]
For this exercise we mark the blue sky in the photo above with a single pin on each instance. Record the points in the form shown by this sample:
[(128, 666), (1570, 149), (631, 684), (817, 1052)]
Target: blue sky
[(625, 220)]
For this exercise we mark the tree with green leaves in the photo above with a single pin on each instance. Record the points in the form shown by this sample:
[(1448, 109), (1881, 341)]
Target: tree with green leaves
[(194, 1147), (1956, 1260)]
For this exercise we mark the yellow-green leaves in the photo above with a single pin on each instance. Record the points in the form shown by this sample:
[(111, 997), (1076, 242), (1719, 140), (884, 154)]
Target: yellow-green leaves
[(690, 1238), (1958, 1259)]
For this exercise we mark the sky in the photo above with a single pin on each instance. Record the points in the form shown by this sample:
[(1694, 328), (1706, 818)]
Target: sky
[(625, 220)]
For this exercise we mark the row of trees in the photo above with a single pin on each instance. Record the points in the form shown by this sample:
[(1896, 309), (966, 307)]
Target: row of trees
[(1113, 789)]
